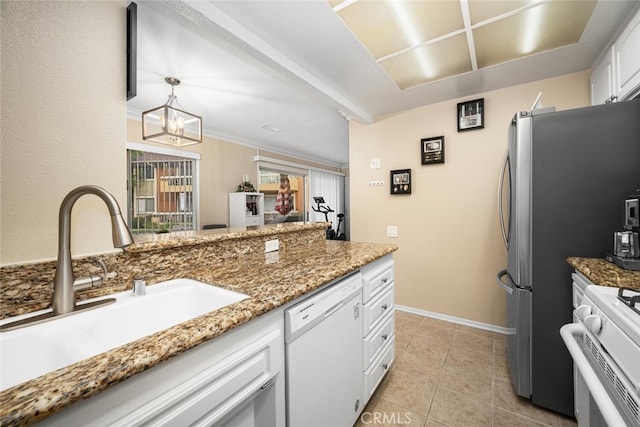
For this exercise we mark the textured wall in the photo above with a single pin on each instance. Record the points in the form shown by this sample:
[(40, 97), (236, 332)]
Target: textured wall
[(63, 122)]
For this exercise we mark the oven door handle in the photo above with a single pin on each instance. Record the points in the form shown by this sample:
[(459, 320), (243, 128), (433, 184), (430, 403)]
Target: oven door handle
[(570, 333)]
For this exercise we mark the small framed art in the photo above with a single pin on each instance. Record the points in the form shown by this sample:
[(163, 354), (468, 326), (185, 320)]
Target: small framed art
[(471, 115), (401, 181), (432, 150)]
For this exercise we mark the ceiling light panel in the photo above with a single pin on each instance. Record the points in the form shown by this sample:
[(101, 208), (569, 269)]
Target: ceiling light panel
[(431, 62), (334, 3), (546, 26), (483, 10), (386, 27)]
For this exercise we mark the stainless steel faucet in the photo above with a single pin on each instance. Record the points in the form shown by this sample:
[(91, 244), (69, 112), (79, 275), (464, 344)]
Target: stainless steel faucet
[(64, 298)]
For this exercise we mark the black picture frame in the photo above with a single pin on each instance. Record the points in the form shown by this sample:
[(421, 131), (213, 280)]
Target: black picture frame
[(132, 50), (400, 181), (432, 150), (471, 115)]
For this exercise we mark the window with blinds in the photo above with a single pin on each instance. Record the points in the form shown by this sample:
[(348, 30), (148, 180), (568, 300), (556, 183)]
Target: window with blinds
[(161, 194)]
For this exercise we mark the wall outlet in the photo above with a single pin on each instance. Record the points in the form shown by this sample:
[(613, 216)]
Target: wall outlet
[(392, 231), (271, 245), (272, 257), (374, 164)]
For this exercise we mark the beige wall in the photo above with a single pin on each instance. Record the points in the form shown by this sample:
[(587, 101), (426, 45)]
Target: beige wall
[(63, 122), (449, 238), (221, 167), (64, 125)]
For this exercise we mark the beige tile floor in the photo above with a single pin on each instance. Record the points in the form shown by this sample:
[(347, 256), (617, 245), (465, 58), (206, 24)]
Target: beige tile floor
[(452, 375)]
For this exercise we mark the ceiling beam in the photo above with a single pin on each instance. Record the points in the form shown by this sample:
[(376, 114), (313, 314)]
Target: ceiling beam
[(220, 27)]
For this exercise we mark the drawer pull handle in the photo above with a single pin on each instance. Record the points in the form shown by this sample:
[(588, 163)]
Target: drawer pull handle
[(384, 307), (385, 366), (385, 336), (384, 280)]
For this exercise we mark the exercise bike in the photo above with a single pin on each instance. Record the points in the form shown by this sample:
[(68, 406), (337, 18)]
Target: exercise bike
[(326, 210)]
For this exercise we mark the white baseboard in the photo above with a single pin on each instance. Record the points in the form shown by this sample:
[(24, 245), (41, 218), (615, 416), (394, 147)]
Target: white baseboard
[(453, 319)]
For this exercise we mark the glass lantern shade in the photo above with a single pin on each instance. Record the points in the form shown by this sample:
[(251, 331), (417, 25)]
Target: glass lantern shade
[(171, 126)]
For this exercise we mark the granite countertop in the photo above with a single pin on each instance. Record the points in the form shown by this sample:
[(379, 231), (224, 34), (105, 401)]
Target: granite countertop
[(604, 273), (269, 283)]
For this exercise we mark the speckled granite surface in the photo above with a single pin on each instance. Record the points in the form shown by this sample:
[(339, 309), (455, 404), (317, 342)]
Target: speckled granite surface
[(28, 287), (604, 273), (305, 262)]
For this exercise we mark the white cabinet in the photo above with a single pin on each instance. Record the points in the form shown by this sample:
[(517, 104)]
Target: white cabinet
[(616, 76), (602, 85), (246, 209), (235, 379), (626, 52), (378, 323)]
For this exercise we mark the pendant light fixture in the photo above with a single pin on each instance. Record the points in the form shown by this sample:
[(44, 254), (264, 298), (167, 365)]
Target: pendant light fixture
[(170, 124)]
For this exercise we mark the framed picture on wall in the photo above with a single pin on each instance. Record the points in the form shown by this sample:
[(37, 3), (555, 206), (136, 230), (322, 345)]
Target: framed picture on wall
[(471, 115), (432, 150), (401, 181)]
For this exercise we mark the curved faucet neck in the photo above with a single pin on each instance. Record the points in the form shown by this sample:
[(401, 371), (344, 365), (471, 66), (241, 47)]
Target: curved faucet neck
[(63, 292)]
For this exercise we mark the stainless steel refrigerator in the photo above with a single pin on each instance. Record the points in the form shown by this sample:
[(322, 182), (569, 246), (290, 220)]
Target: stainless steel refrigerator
[(562, 185)]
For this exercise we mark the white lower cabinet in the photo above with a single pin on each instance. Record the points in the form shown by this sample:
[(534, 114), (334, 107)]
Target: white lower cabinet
[(378, 368), (378, 327), (373, 343), (377, 309), (233, 380)]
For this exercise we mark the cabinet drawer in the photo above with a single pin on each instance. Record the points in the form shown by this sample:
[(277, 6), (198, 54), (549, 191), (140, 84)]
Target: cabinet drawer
[(217, 390), (580, 284), (378, 368), (375, 276), (376, 310), (372, 344)]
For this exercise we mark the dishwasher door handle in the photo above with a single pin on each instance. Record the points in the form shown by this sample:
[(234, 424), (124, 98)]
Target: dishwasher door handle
[(333, 309)]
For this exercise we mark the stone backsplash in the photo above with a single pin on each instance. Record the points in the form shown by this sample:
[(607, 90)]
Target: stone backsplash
[(27, 288)]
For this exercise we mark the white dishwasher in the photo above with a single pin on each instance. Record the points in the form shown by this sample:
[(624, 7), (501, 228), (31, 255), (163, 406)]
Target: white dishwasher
[(323, 345)]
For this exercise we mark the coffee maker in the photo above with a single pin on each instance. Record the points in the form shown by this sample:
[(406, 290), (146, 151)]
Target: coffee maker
[(626, 246)]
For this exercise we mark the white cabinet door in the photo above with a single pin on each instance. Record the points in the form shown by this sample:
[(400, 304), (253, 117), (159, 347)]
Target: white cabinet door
[(234, 378), (602, 84), (627, 60)]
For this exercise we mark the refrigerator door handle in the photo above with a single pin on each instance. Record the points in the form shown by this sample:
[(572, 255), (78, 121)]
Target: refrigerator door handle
[(500, 192), (502, 284)]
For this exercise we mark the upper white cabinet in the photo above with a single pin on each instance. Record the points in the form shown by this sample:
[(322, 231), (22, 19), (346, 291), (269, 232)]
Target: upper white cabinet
[(626, 53), (617, 75), (602, 86), (246, 209)]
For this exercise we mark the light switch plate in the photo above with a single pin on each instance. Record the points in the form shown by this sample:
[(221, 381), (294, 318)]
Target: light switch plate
[(271, 245), (374, 164), (392, 231)]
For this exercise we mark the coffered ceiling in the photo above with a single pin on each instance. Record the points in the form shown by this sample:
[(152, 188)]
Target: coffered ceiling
[(287, 75), (418, 42)]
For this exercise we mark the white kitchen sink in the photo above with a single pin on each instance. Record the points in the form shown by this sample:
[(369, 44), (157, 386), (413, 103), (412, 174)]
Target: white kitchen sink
[(37, 349)]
